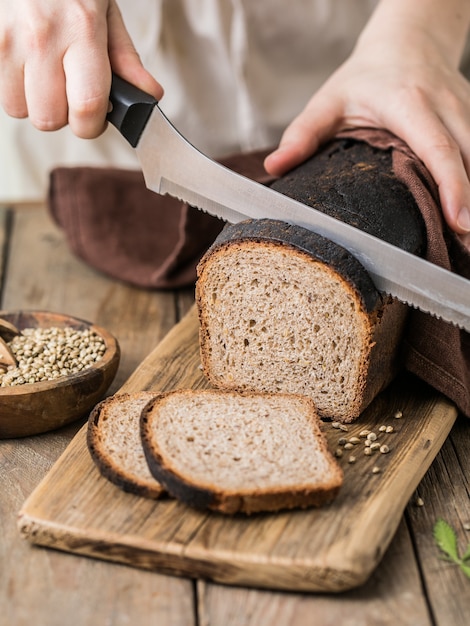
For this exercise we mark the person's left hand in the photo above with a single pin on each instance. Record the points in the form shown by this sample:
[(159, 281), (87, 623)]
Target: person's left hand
[(408, 88)]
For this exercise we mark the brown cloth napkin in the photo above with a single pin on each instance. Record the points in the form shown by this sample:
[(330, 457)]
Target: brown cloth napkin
[(115, 224), (119, 227)]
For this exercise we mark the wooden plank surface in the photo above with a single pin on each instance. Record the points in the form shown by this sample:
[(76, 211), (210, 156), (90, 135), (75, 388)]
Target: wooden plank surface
[(392, 596), (445, 490), (44, 587), (411, 586), (330, 549)]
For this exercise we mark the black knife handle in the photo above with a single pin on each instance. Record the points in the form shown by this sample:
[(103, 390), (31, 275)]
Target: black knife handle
[(131, 108)]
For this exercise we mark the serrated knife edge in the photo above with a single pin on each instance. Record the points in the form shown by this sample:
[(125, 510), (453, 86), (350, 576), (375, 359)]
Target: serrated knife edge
[(172, 165), (184, 172)]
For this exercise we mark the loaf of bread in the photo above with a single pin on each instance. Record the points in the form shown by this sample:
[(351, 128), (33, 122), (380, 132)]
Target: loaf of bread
[(232, 452), (282, 309), (113, 439)]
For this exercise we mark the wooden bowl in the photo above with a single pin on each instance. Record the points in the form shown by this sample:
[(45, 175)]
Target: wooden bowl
[(33, 408)]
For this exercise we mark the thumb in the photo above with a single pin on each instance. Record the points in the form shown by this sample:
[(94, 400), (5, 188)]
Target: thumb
[(124, 59), (319, 121)]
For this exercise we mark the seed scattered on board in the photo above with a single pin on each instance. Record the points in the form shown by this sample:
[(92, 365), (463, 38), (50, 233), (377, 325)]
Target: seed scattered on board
[(369, 438)]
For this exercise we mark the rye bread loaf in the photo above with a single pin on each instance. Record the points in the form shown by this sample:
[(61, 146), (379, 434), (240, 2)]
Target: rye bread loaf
[(282, 309), (232, 452), (113, 439)]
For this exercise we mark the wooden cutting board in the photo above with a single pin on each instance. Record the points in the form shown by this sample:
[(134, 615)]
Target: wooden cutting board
[(329, 549)]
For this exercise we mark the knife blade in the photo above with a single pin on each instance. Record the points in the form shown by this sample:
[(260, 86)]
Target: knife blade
[(172, 165)]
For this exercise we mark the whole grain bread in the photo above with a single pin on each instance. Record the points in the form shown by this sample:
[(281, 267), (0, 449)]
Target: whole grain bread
[(113, 439), (355, 183), (282, 309), (232, 452)]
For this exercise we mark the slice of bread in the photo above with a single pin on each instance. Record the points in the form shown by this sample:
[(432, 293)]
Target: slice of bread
[(113, 439), (232, 452), (282, 309)]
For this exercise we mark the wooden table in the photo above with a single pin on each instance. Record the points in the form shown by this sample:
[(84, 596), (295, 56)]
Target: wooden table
[(412, 585)]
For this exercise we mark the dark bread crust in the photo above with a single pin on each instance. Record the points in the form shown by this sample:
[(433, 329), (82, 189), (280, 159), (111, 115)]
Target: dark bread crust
[(212, 498), (355, 183), (107, 466)]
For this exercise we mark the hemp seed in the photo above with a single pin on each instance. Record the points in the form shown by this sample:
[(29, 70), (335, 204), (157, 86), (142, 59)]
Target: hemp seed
[(354, 440), (339, 426), (49, 353)]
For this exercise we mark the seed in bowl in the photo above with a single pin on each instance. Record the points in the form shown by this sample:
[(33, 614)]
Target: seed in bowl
[(49, 353)]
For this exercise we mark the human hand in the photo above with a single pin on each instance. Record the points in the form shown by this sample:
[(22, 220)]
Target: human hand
[(56, 60), (409, 86)]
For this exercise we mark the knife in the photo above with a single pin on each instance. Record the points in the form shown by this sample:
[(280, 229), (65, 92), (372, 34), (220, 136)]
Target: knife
[(171, 165)]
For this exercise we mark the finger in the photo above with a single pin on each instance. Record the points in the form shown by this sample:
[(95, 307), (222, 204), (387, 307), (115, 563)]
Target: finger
[(33, 47), (456, 195), (88, 82), (319, 121), (11, 76), (46, 101), (446, 166), (124, 58), (434, 144), (13, 98), (88, 78)]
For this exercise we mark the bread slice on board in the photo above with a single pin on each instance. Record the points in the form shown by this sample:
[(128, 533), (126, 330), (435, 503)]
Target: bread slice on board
[(282, 309), (232, 452), (113, 439)]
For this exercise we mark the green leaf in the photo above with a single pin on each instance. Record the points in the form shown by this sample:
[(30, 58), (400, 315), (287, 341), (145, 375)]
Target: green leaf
[(466, 556), (446, 539), (465, 569)]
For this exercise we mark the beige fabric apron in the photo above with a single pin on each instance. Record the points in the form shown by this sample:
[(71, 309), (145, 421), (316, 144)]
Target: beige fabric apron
[(235, 73)]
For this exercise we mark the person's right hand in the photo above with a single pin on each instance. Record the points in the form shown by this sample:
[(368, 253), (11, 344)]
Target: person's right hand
[(56, 59)]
